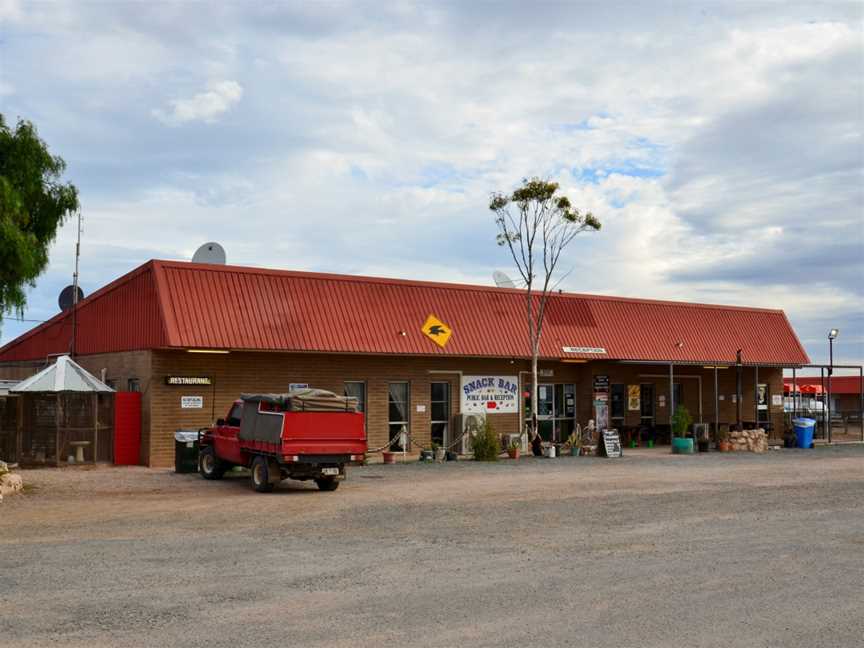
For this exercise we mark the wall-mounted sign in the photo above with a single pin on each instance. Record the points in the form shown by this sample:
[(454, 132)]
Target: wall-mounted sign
[(598, 350), (661, 400), (601, 383), (188, 380), (777, 400), (191, 402), (296, 386), (490, 394), (634, 398), (546, 373), (762, 396), (437, 331), (421, 409)]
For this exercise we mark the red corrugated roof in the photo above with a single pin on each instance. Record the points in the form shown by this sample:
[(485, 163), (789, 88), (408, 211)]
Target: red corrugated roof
[(839, 384), (186, 305)]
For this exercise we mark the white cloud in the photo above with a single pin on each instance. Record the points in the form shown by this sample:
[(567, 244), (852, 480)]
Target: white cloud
[(206, 106), (720, 146)]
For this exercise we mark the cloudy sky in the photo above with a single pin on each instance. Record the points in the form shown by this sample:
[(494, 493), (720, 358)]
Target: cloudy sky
[(720, 144)]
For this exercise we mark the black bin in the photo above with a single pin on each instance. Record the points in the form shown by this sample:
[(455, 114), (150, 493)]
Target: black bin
[(186, 451)]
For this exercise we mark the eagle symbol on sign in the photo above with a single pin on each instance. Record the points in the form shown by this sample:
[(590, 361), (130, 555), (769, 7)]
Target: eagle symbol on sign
[(436, 330)]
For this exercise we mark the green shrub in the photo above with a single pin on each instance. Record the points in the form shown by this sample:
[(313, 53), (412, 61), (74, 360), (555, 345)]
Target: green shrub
[(681, 420), (486, 443)]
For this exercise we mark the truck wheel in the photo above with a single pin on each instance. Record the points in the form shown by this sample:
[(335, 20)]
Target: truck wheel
[(327, 483), (261, 475), (209, 465)]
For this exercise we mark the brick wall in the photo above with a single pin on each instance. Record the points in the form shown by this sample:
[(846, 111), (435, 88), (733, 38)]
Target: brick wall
[(272, 372)]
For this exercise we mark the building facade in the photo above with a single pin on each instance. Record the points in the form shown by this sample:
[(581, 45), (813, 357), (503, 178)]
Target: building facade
[(192, 337)]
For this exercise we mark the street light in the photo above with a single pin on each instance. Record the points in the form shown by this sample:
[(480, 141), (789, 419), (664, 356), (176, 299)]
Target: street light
[(832, 335)]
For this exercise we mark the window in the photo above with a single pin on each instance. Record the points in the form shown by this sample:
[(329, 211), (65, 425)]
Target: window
[(678, 395), (398, 417), (440, 414), (235, 415), (618, 400), (357, 389), (133, 385)]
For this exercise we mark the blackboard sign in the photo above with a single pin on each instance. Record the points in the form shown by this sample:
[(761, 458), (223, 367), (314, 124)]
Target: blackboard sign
[(601, 383), (612, 443)]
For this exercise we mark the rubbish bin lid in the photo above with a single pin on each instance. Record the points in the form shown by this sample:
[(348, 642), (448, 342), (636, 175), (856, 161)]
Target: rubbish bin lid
[(806, 422), (186, 436)]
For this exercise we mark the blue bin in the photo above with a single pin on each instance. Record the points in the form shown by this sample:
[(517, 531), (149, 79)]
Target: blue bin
[(804, 431)]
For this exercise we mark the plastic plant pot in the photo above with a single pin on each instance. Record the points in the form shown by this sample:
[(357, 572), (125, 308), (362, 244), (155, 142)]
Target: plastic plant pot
[(389, 457), (682, 446)]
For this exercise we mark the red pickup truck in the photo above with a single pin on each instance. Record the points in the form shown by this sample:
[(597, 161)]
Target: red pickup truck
[(310, 434)]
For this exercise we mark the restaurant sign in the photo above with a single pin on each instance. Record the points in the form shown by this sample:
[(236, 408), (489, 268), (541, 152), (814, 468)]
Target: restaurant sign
[(187, 380), (490, 394)]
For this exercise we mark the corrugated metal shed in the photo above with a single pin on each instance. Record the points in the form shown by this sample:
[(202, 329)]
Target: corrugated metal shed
[(167, 304)]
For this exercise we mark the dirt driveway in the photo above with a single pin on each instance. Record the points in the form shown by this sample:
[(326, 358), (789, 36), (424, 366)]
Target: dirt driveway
[(649, 550)]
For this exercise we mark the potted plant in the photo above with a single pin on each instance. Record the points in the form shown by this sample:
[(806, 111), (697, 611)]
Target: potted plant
[(681, 420), (723, 444), (703, 442), (575, 443), (513, 450)]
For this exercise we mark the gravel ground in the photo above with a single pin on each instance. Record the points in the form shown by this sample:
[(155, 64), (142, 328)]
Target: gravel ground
[(650, 550)]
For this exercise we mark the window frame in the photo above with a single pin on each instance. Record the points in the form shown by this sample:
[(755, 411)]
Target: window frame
[(407, 422)]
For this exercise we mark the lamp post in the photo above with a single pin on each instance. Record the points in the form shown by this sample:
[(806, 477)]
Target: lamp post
[(832, 335)]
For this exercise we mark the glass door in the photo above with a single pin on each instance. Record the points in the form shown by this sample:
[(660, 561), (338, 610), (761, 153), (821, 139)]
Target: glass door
[(556, 411), (439, 401), (546, 411), (565, 411), (646, 404)]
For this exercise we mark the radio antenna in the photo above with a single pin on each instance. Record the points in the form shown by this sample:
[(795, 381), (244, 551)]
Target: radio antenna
[(75, 286)]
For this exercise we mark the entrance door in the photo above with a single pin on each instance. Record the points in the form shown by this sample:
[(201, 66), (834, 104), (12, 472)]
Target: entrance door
[(556, 410), (565, 411), (546, 410), (646, 404), (439, 401)]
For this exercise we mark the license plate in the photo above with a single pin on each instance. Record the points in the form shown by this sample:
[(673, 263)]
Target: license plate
[(329, 471)]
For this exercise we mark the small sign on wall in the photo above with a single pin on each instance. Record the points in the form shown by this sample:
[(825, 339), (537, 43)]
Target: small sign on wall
[(191, 402), (295, 386), (776, 400), (634, 400), (421, 408)]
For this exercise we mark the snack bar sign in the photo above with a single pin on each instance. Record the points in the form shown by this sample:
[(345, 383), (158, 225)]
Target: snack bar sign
[(490, 394)]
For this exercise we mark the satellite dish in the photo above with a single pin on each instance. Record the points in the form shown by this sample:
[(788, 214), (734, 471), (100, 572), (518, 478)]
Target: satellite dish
[(67, 297), (502, 280), (210, 253)]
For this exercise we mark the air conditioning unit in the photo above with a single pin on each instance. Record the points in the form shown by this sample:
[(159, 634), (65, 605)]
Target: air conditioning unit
[(466, 426)]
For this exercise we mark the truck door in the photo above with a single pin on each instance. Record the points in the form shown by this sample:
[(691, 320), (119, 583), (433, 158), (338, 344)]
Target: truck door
[(226, 435)]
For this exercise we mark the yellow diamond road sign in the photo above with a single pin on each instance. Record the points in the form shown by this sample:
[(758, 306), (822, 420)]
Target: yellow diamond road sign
[(437, 331)]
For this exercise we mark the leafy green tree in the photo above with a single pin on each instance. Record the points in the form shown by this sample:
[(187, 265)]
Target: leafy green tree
[(33, 204), (536, 224)]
